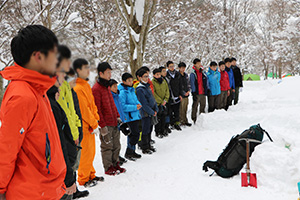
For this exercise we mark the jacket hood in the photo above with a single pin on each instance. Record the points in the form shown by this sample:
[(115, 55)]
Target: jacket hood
[(124, 87), (39, 81), (211, 71), (114, 94)]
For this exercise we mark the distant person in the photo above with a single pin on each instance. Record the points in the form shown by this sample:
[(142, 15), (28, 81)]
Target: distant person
[(109, 120), (32, 162), (213, 76), (231, 82), (161, 95), (86, 172), (186, 87), (176, 93), (238, 79), (225, 86), (198, 79)]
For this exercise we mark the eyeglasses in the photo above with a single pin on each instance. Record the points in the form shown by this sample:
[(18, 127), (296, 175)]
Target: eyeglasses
[(145, 76)]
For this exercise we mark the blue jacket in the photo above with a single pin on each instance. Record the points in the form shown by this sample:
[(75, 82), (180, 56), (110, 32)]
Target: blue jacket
[(194, 82), (129, 103), (145, 96), (119, 105), (231, 77), (214, 82)]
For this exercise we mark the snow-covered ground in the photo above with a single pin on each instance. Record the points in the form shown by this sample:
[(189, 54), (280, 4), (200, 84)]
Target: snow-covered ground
[(175, 170)]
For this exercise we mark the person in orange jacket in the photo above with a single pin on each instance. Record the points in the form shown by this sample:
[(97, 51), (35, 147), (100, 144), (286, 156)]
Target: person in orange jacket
[(32, 164), (90, 118)]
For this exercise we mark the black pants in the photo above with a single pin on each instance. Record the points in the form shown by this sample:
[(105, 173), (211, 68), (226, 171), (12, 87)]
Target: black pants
[(174, 113), (134, 136), (213, 103), (146, 132), (161, 116), (229, 100)]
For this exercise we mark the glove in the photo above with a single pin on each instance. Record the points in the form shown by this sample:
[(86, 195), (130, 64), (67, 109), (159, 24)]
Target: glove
[(241, 89), (96, 130), (104, 131)]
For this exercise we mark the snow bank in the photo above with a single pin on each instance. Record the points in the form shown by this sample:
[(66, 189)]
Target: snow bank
[(175, 170)]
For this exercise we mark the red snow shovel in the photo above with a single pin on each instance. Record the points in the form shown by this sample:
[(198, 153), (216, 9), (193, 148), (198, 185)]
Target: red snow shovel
[(248, 178)]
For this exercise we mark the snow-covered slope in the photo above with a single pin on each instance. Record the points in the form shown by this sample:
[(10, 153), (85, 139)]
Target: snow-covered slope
[(175, 170)]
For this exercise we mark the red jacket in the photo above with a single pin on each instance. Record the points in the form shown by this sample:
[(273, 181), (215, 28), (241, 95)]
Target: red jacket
[(32, 164), (104, 101), (224, 82)]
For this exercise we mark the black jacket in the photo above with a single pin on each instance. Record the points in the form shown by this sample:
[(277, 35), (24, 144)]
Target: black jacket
[(78, 112), (238, 78), (186, 85), (67, 143), (175, 86)]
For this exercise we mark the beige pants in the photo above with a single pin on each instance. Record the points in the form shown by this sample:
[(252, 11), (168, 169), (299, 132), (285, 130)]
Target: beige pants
[(199, 99), (183, 110), (110, 147)]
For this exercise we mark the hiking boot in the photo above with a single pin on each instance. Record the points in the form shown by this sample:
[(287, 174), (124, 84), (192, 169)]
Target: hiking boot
[(177, 127), (99, 178), (122, 160), (146, 151), (152, 141), (136, 155), (129, 154), (152, 148), (165, 133), (188, 124), (120, 169), (168, 130), (90, 183), (111, 171), (159, 135), (80, 194)]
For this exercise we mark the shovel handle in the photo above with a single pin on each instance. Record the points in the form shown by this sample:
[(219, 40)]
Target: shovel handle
[(248, 160)]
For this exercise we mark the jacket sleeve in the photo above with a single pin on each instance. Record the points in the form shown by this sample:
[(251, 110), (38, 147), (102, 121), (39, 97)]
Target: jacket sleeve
[(157, 98), (167, 97), (233, 82), (78, 113), (192, 82), (126, 107), (13, 130), (181, 93), (241, 78), (87, 115), (228, 83), (188, 82), (98, 103), (145, 107), (72, 119)]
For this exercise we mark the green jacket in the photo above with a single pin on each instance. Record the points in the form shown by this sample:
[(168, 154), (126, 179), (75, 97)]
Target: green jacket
[(161, 91), (66, 102)]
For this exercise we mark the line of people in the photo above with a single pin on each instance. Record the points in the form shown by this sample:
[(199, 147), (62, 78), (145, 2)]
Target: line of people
[(50, 115)]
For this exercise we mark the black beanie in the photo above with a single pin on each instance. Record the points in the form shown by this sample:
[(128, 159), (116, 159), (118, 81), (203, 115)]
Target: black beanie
[(126, 76)]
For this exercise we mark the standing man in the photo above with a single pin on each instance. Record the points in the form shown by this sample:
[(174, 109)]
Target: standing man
[(198, 80), (186, 87), (231, 82), (225, 86), (213, 76), (109, 119), (238, 79), (32, 164)]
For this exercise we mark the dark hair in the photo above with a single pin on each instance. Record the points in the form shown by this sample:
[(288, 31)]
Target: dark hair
[(71, 72), (103, 66), (141, 72), (126, 76), (227, 60), (137, 72), (221, 63), (162, 67), (233, 59), (156, 70), (213, 63), (145, 68), (169, 63), (196, 60), (63, 52), (181, 64), (112, 82), (77, 64), (30, 39)]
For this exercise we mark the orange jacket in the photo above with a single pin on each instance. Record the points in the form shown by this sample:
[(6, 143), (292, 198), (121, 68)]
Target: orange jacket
[(32, 164), (87, 105)]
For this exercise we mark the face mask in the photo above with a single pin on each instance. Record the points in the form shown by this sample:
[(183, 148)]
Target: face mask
[(70, 79)]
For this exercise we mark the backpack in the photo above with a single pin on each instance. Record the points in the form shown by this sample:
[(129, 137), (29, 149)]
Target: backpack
[(233, 158)]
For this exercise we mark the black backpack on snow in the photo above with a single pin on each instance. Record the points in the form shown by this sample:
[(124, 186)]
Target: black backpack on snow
[(233, 158)]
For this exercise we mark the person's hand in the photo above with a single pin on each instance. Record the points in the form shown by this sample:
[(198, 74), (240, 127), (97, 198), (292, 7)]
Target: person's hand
[(155, 113), (164, 103), (77, 141), (180, 97), (2, 197), (233, 90), (71, 190), (138, 106), (119, 120), (104, 131), (187, 93), (228, 93)]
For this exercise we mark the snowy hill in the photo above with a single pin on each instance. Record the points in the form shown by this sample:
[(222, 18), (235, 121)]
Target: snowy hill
[(175, 170)]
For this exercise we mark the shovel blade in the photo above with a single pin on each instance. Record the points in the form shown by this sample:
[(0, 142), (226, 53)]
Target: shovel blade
[(252, 180)]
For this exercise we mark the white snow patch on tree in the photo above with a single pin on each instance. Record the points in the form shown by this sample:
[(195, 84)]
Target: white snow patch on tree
[(139, 10), (75, 17)]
